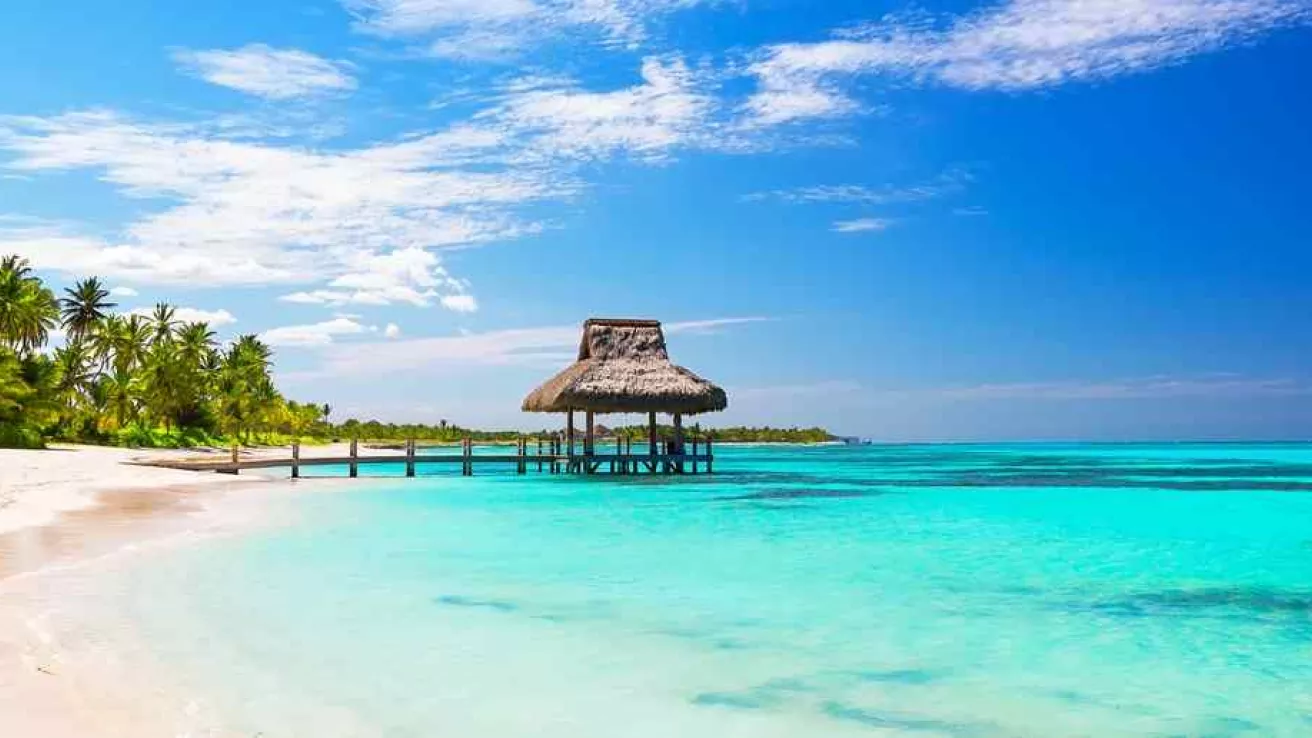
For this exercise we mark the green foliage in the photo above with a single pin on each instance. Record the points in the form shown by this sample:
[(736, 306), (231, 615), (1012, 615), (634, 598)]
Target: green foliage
[(17, 436), (28, 310), (127, 379), (739, 434), (156, 382), (445, 433)]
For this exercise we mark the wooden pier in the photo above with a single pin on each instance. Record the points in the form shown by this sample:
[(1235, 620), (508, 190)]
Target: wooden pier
[(546, 456)]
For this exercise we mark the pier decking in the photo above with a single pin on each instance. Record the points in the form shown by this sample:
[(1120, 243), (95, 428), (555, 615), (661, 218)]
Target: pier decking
[(546, 456)]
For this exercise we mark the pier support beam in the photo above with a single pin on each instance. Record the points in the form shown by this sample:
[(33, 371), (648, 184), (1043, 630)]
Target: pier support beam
[(296, 459), (590, 440), (410, 458), (569, 432), (678, 439)]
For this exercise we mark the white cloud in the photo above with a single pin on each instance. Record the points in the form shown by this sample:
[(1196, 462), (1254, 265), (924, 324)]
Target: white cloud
[(540, 347), (392, 331), (364, 220), (313, 335), (667, 109), (1018, 45), (123, 292), (277, 74), (215, 318), (480, 29), (354, 226), (460, 303), (862, 225), (707, 327), (950, 182)]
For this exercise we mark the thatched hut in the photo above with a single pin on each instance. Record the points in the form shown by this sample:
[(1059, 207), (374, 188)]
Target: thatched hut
[(623, 367)]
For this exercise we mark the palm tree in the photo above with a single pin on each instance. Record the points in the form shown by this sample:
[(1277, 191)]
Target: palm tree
[(76, 375), (28, 310), (120, 395), (120, 343), (162, 321), (165, 383), (85, 307), (196, 343), (17, 265)]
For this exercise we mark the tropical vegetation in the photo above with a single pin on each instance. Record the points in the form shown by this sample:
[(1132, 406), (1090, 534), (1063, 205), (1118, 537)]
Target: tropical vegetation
[(130, 379), (153, 380)]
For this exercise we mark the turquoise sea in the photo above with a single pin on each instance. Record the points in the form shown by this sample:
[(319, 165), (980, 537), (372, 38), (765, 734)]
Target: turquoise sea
[(1003, 590)]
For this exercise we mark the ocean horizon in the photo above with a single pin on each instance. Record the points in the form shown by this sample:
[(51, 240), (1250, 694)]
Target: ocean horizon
[(927, 590)]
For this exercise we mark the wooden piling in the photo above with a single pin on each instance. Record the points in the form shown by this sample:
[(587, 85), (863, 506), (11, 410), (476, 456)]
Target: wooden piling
[(355, 458), (410, 458), (590, 440), (710, 457), (539, 454), (694, 453), (468, 452), (569, 432), (678, 441), (296, 459)]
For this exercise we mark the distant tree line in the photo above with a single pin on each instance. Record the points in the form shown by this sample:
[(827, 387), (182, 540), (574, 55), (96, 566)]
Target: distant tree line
[(739, 434), (444, 432)]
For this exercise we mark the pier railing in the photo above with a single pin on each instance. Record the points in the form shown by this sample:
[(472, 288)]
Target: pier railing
[(545, 455)]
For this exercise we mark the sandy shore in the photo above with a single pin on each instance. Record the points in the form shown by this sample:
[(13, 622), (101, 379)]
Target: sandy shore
[(63, 512)]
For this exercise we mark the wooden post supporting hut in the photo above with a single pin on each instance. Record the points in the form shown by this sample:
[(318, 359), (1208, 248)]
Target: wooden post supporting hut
[(624, 367)]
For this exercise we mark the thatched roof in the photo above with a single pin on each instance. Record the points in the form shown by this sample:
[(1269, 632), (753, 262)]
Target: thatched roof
[(623, 367)]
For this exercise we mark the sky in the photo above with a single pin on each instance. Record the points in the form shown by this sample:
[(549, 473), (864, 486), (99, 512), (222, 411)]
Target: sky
[(958, 221)]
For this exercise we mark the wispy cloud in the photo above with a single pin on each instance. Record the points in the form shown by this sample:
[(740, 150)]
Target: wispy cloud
[(950, 182), (482, 29), (666, 110), (358, 226), (123, 292), (1018, 45), (276, 74), (215, 318), (364, 220), (460, 303), (544, 346), (862, 225), (313, 335)]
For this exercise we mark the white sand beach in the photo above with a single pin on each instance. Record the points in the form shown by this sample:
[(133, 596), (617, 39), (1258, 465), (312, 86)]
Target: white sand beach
[(63, 512)]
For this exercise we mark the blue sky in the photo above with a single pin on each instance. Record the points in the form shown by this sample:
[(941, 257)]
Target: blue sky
[(1033, 219)]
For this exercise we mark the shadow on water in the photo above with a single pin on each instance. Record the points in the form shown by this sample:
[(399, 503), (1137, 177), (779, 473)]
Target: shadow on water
[(892, 721), (799, 494), (765, 696), (469, 602), (1215, 601), (916, 677)]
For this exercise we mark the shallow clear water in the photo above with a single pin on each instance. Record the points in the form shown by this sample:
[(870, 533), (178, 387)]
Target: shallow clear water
[(1029, 590)]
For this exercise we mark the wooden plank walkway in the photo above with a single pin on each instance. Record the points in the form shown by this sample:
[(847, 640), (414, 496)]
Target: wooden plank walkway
[(548, 461)]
